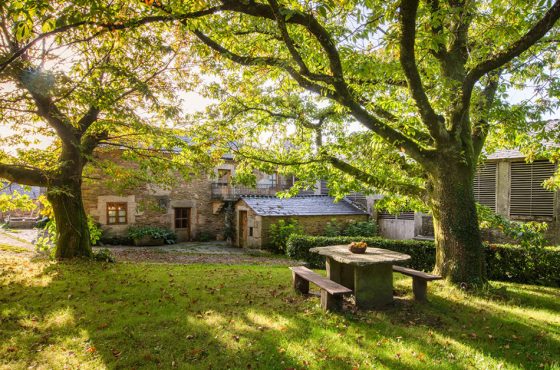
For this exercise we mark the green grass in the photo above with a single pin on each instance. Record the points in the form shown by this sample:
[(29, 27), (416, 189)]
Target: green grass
[(96, 315)]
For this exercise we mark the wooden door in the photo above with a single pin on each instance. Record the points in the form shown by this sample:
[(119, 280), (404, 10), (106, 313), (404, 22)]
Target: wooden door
[(183, 223), (242, 228)]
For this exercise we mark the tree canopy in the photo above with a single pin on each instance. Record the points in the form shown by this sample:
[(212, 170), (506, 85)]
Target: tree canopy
[(399, 96), (89, 88)]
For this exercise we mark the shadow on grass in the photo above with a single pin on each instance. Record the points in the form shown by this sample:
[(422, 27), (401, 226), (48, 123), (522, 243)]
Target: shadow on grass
[(165, 316)]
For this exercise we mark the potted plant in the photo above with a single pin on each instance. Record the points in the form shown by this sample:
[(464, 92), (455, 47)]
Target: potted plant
[(357, 247), (151, 235)]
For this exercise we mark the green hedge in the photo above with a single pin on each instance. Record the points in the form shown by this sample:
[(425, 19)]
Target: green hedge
[(532, 266), (504, 262)]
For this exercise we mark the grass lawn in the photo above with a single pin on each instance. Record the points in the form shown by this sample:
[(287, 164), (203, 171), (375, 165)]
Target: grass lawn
[(134, 315)]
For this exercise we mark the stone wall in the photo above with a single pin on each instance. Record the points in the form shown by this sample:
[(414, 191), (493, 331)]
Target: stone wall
[(153, 205), (311, 225)]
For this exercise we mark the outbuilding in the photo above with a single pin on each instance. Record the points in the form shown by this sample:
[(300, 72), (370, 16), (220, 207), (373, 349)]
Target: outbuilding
[(255, 214)]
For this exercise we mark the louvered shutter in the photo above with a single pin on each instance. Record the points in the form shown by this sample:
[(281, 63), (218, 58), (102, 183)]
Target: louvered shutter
[(485, 185), (409, 215), (528, 197), (324, 188)]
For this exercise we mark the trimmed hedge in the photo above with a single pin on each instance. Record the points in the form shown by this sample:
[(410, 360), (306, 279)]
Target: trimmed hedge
[(504, 262)]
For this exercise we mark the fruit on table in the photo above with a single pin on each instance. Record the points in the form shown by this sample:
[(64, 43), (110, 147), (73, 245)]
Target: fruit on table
[(358, 245)]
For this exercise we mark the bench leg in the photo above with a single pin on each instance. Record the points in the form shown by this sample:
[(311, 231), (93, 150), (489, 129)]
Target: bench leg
[(419, 288), (300, 284), (330, 302)]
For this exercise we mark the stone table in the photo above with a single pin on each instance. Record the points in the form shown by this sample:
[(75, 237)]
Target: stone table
[(369, 275)]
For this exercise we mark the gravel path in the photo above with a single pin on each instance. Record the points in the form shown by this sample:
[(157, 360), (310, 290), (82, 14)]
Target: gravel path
[(180, 253)]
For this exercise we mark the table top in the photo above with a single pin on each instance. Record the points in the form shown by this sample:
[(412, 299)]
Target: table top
[(340, 253)]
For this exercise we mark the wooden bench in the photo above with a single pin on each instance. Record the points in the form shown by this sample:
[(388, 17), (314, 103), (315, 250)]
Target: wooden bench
[(419, 281), (331, 292)]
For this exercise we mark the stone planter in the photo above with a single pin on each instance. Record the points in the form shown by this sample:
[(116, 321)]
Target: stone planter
[(148, 241)]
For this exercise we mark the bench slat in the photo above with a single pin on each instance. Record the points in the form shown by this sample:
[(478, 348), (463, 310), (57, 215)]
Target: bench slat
[(330, 286), (414, 273)]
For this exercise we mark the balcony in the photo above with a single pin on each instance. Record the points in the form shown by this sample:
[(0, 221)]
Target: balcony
[(226, 191)]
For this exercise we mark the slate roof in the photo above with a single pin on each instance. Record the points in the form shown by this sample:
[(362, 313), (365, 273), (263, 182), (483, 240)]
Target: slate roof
[(32, 191), (312, 205), (506, 154)]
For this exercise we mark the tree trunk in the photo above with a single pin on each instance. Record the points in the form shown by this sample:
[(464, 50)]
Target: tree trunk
[(459, 252), (65, 197)]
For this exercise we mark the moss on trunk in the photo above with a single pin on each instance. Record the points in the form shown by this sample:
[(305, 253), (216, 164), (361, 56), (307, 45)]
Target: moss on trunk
[(71, 220), (459, 253)]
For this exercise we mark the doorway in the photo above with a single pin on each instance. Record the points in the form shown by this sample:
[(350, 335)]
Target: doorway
[(242, 228), (183, 223)]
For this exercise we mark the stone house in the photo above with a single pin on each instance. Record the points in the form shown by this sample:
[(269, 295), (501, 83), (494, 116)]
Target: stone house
[(255, 214), (195, 209)]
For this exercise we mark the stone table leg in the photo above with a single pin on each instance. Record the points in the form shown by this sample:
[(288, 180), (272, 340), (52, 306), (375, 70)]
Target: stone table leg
[(373, 285), (340, 273)]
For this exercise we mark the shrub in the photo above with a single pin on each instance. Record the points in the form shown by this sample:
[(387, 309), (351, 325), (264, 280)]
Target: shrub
[(115, 240), (527, 234), (47, 240), (95, 231), (508, 262), (352, 228), (360, 228), (205, 236), (281, 231), (155, 232), (504, 262), (332, 228), (103, 255)]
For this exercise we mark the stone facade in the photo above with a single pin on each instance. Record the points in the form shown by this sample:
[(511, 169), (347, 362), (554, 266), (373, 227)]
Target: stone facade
[(156, 206), (258, 227), (151, 205), (203, 197)]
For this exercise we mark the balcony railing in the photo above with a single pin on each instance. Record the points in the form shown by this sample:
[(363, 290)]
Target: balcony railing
[(225, 191)]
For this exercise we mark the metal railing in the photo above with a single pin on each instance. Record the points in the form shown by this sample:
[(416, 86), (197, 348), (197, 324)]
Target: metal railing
[(226, 191)]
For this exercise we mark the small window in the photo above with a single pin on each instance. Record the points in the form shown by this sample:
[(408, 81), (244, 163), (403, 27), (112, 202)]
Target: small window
[(182, 218), (273, 178), (116, 213), (224, 176), (250, 231)]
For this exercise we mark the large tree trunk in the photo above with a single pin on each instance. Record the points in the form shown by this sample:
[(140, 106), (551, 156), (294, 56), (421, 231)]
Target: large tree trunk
[(65, 197), (459, 252)]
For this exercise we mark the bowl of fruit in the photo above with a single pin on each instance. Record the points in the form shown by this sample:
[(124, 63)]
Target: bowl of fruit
[(357, 247)]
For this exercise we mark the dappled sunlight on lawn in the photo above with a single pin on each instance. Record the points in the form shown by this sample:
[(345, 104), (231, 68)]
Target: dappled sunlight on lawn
[(99, 315)]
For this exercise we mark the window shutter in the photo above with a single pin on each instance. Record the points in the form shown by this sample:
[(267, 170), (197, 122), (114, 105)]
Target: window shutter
[(408, 215), (485, 186), (528, 197)]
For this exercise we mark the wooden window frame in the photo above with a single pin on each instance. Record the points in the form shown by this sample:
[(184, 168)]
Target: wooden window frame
[(186, 218), (119, 206)]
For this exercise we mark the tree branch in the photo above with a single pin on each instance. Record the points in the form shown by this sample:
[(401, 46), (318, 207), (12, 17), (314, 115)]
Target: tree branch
[(434, 122), (529, 39), (393, 136), (481, 128), (107, 27), (376, 182), (23, 175)]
